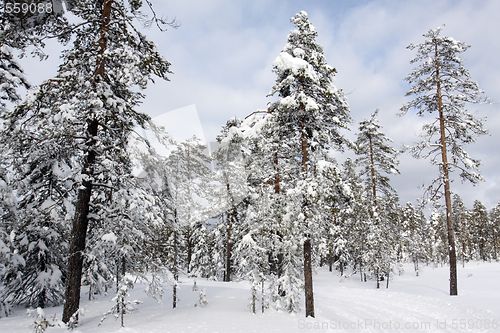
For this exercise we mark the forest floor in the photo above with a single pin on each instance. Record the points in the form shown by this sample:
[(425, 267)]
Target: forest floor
[(342, 304)]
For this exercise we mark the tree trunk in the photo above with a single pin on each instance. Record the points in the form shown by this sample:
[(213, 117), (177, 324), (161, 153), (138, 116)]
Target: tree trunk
[(307, 243), (447, 193), (308, 279), (175, 269), (229, 246), (79, 233), (388, 276), (263, 299), (372, 167), (279, 257)]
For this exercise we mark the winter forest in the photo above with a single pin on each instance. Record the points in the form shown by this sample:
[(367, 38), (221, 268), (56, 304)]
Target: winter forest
[(90, 210)]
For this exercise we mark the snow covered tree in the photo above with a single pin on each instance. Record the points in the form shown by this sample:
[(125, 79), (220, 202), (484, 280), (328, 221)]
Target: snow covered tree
[(11, 73), (307, 120), (442, 84), (41, 177), (188, 169), (251, 257), (228, 198), (481, 229), (88, 112), (413, 234), (357, 218), (463, 229), (437, 249), (122, 305), (336, 202), (495, 222), (377, 159)]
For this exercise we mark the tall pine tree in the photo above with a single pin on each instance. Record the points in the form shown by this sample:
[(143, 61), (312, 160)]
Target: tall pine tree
[(443, 85), (307, 120)]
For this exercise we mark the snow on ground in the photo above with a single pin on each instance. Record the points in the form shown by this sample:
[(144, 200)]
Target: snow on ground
[(411, 304)]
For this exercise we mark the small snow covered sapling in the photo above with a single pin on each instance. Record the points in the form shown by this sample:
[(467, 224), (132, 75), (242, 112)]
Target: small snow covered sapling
[(122, 306), (41, 323), (203, 300)]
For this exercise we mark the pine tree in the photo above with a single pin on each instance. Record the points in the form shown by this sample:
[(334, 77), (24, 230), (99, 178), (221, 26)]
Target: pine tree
[(188, 167), (377, 158), (495, 221), (335, 198), (357, 218), (251, 258), (307, 118), (231, 191), (443, 85), (413, 222), (481, 229), (88, 111)]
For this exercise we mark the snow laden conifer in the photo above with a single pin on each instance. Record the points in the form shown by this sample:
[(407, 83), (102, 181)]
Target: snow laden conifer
[(441, 86), (86, 114), (413, 234), (463, 229), (230, 189), (188, 169), (251, 257), (357, 218), (336, 200), (481, 229), (495, 222), (307, 119), (377, 160)]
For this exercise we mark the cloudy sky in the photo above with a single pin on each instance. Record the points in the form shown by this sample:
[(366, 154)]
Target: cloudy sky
[(223, 51)]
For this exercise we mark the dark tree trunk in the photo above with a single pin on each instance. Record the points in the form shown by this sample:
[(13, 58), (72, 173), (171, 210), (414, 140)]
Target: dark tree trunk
[(175, 269), (79, 233), (190, 245), (229, 246), (308, 279), (307, 243)]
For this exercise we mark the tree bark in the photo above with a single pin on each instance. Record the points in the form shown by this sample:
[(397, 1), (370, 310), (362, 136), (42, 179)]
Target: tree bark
[(308, 279), (79, 233), (372, 166), (307, 243), (447, 192), (175, 264), (229, 246)]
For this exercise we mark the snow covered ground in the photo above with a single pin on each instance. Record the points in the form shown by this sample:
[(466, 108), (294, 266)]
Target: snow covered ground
[(411, 304)]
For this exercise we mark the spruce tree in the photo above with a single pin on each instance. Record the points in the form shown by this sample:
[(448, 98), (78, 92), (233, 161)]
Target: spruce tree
[(443, 85)]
